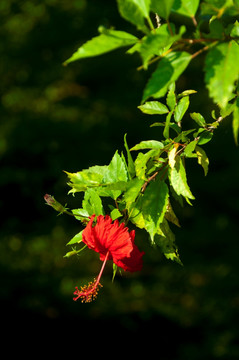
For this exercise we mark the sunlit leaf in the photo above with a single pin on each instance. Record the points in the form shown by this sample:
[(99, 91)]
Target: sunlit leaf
[(169, 69), (165, 239), (222, 70), (148, 144), (153, 107), (235, 122), (135, 11), (149, 210), (186, 7), (199, 119), (91, 177), (202, 159), (107, 41), (92, 203), (76, 239), (178, 179), (181, 108)]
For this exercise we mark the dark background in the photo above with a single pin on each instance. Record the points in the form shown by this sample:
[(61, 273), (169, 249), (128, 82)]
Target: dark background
[(56, 118)]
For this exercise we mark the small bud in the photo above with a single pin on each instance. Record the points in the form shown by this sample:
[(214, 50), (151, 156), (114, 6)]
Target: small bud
[(50, 200)]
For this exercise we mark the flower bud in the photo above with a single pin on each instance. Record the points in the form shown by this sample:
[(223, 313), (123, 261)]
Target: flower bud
[(50, 200)]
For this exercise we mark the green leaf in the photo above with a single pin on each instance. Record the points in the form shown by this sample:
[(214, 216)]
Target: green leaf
[(116, 171), (76, 239), (205, 137), (170, 215), (169, 69), (235, 122), (148, 211), (186, 7), (92, 203), (222, 70), (107, 41), (80, 214), (186, 93), (189, 149), (133, 191), (165, 239), (115, 178), (141, 162), (162, 7), (178, 179), (91, 177), (153, 107), (235, 30), (181, 108), (202, 159), (153, 44), (219, 7), (131, 167), (171, 97), (115, 214), (135, 11), (199, 119), (148, 144), (167, 125)]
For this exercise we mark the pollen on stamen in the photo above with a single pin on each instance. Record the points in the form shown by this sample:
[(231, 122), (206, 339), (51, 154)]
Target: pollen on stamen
[(87, 293)]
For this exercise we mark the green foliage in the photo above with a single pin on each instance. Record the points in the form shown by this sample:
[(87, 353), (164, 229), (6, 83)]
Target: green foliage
[(140, 189)]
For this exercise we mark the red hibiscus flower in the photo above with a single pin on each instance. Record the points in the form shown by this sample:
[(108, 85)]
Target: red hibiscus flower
[(112, 241)]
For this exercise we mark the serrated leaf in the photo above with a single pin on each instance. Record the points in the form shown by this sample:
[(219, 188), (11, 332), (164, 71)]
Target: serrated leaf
[(148, 144), (115, 178), (133, 191), (135, 11), (148, 212), (153, 107), (181, 108), (91, 177), (169, 69), (165, 239), (186, 7), (141, 162), (92, 203), (202, 159), (107, 41), (116, 171), (178, 179), (222, 70)]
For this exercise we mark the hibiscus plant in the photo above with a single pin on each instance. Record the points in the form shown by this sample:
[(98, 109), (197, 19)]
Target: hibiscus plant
[(138, 185)]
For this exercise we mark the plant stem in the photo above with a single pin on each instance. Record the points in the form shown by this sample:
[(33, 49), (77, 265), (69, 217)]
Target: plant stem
[(150, 24)]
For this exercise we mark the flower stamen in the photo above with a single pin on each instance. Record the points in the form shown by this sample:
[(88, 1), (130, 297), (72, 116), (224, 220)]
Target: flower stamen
[(89, 292)]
